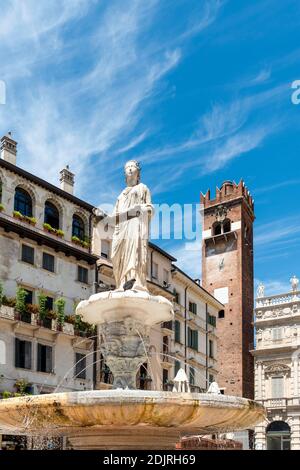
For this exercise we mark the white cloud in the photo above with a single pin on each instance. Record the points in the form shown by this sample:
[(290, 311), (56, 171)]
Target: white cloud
[(189, 257), (83, 117), (273, 287), (279, 230)]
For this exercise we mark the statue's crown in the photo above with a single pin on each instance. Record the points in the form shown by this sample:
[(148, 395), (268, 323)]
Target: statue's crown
[(137, 164)]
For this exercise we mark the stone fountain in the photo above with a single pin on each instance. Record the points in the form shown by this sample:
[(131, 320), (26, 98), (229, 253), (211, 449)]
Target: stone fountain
[(126, 418)]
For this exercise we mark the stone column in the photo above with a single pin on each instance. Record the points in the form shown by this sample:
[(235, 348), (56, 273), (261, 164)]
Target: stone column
[(295, 375), (295, 433), (259, 395), (260, 437)]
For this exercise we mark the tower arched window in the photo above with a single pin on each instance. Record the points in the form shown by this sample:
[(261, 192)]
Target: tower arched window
[(51, 216), (226, 226), (23, 202), (78, 227), (217, 228)]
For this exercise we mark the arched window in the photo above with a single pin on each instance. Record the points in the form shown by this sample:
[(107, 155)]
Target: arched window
[(217, 228), (51, 215), (23, 202), (278, 436), (226, 226), (78, 227)]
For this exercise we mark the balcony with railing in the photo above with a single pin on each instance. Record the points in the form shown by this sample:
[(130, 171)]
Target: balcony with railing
[(23, 227), (32, 321), (276, 300), (280, 402)]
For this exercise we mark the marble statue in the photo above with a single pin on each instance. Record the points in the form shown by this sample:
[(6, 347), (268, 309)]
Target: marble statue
[(181, 383), (132, 214), (125, 315), (214, 388), (294, 283), (261, 290)]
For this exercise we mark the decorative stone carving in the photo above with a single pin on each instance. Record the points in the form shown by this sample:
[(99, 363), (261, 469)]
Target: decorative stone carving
[(7, 312), (125, 319), (294, 283), (220, 213), (260, 291), (277, 368)]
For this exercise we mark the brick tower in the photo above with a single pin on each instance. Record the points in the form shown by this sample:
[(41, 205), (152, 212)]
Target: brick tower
[(227, 273)]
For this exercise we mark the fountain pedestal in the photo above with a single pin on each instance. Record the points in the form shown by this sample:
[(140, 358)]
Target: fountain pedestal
[(124, 320)]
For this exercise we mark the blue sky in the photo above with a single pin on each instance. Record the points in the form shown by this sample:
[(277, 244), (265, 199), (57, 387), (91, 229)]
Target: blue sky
[(198, 91)]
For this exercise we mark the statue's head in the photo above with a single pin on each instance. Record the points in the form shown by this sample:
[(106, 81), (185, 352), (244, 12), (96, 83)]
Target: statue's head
[(132, 171)]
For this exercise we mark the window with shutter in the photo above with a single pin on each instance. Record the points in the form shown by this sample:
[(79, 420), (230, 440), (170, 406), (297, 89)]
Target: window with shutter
[(44, 358), (177, 366), (192, 376), (277, 334), (27, 254), (80, 367), (22, 354), (177, 331), (277, 387)]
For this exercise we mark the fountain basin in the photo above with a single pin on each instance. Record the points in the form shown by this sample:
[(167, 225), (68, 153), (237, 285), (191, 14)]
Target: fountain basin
[(113, 306), (127, 419)]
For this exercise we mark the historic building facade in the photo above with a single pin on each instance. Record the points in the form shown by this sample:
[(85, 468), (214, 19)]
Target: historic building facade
[(277, 368), (227, 273)]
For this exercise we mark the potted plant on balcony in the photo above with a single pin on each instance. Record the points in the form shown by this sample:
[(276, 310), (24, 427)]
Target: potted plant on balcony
[(20, 307), (77, 324), (23, 387), (60, 305), (48, 228), (75, 240), (42, 300), (17, 215), (9, 301), (1, 207), (60, 233), (70, 319), (29, 220)]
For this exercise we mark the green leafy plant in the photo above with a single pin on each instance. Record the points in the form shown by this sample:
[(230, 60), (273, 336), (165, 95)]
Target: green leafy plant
[(78, 322), (51, 315), (2, 207), (31, 220), (75, 239), (42, 299), (8, 301), (17, 215), (60, 233), (32, 308), (60, 305), (21, 295), (48, 227), (6, 394), (21, 386), (70, 319)]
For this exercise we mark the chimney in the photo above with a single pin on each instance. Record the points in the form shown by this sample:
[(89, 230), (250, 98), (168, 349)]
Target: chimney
[(67, 180), (9, 149)]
